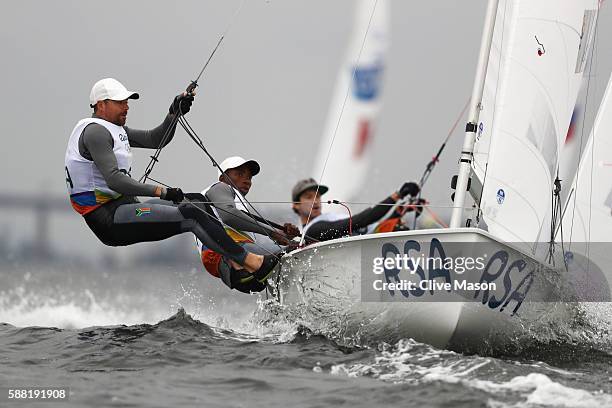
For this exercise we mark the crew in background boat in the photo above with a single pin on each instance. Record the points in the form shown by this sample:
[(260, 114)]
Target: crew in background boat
[(98, 163), (306, 197), (254, 233)]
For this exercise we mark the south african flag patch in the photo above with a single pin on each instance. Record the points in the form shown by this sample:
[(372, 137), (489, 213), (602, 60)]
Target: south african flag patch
[(143, 211)]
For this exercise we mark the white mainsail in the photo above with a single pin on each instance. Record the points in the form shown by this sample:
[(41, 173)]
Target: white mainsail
[(588, 217), (539, 52), (361, 76)]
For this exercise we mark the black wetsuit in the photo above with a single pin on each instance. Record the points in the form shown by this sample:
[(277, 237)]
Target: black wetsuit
[(125, 220), (327, 230)]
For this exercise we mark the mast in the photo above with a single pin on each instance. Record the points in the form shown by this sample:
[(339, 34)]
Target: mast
[(472, 124)]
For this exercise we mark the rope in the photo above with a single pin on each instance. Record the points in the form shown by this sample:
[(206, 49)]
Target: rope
[(349, 213), (180, 119), (434, 160), (345, 202), (193, 204), (243, 200), (190, 90), (436, 218), (155, 158)]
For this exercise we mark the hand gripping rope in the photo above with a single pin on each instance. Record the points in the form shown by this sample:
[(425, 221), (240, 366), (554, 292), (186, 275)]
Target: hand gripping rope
[(180, 119)]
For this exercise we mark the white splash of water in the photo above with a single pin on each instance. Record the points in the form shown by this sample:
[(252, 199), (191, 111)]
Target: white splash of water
[(35, 310)]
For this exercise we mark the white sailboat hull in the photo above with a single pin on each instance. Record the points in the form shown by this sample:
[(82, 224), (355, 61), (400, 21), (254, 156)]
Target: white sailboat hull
[(329, 284)]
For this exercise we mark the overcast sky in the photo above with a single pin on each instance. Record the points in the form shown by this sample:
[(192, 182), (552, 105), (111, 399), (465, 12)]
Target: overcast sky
[(265, 95)]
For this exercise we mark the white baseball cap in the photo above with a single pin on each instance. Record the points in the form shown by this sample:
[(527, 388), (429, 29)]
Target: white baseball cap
[(110, 88), (237, 161)]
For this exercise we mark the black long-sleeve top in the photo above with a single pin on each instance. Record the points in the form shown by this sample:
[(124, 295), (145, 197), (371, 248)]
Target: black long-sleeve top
[(327, 230)]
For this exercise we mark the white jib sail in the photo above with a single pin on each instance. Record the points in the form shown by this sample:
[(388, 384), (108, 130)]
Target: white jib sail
[(588, 214), (539, 52), (361, 75)]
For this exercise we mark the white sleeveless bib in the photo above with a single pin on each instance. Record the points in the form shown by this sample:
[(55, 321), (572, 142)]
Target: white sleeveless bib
[(86, 185)]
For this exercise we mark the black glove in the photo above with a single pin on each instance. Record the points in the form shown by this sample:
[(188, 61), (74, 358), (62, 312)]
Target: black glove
[(291, 230), (174, 194), (419, 206), (181, 104), (410, 188)]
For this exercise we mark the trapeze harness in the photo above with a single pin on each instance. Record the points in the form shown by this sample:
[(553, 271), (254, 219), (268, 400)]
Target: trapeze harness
[(86, 185)]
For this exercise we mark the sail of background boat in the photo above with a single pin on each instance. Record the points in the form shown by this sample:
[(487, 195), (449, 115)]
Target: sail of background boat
[(345, 151)]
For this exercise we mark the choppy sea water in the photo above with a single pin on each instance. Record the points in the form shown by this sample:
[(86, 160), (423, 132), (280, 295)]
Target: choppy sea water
[(159, 337)]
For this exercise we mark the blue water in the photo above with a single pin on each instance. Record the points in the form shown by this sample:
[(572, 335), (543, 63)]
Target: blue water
[(159, 337)]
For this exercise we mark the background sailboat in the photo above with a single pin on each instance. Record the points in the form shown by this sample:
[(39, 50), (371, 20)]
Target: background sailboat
[(345, 151), (588, 213)]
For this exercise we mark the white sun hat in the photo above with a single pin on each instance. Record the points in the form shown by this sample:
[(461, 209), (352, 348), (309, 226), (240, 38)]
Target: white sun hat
[(237, 161)]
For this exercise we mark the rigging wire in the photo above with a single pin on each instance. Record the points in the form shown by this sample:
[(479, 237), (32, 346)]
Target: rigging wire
[(244, 201), (344, 202), (189, 90), (180, 119), (221, 38), (240, 233), (435, 159), (348, 90)]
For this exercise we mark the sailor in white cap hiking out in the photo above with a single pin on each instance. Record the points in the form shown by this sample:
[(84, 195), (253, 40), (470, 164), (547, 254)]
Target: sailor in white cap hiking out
[(251, 231), (98, 166)]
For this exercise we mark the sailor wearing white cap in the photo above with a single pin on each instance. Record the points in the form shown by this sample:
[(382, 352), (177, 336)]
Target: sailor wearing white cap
[(98, 166), (251, 231), (111, 89)]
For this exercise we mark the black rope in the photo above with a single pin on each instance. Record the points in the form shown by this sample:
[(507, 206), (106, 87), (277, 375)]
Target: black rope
[(155, 158), (188, 201), (198, 141)]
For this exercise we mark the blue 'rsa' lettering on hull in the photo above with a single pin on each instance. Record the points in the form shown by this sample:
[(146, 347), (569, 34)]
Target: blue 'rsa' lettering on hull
[(511, 276)]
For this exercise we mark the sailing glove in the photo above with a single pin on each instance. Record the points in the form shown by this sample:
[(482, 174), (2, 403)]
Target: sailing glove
[(174, 194), (410, 188), (181, 104), (291, 230)]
